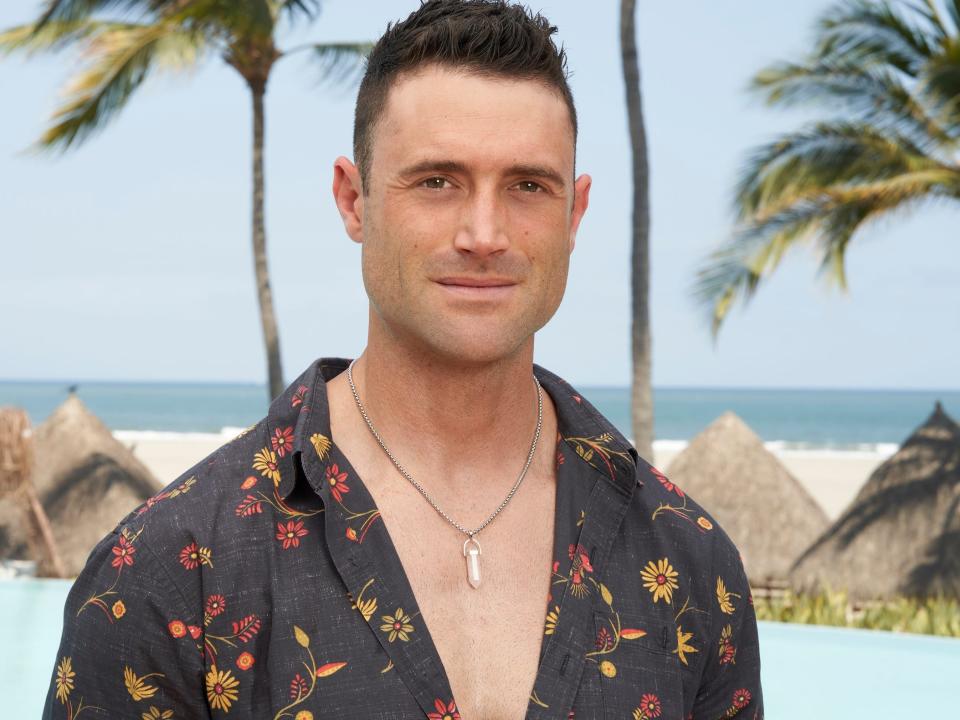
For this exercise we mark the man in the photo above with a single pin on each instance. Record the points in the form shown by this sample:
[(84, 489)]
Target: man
[(441, 529)]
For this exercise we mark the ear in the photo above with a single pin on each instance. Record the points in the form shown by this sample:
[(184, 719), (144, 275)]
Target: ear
[(581, 198), (348, 195)]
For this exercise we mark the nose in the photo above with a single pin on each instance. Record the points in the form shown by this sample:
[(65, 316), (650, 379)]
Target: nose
[(483, 230)]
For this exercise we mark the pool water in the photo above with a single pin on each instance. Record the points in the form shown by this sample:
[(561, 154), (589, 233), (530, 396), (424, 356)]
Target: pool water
[(807, 671)]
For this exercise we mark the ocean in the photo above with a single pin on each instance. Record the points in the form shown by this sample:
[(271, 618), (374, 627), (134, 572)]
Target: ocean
[(845, 421)]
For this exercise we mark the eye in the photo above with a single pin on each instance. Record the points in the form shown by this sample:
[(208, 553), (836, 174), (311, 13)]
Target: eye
[(434, 183), (529, 186)]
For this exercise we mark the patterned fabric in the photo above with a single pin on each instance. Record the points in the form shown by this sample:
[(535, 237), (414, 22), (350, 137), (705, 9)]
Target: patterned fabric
[(262, 584)]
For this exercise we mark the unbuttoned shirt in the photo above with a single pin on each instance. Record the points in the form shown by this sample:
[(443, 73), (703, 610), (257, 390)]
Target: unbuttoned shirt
[(262, 583)]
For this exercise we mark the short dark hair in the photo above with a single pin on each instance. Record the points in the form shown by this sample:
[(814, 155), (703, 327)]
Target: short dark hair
[(489, 37)]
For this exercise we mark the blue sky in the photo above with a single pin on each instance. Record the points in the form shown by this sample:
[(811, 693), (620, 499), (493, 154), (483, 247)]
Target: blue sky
[(130, 258)]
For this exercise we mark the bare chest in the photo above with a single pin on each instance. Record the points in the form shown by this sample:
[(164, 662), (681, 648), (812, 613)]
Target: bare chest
[(488, 638)]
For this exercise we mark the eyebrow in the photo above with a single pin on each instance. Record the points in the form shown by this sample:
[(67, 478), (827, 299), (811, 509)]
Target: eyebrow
[(452, 166)]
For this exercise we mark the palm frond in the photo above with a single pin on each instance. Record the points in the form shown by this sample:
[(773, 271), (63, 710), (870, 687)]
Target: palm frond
[(953, 10), (55, 35), (339, 63), (822, 155), (72, 10), (873, 95), (832, 215), (941, 82), (866, 32), (297, 9), (118, 61)]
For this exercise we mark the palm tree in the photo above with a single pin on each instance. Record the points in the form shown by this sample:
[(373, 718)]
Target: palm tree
[(890, 72), (150, 35), (641, 392)]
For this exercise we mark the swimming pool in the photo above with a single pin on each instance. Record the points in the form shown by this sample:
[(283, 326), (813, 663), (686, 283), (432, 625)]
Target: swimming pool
[(808, 671)]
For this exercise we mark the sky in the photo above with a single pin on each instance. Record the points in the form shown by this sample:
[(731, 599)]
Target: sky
[(129, 258)]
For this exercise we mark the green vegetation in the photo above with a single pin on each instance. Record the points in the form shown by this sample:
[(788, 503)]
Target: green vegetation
[(888, 76), (927, 616), (121, 44)]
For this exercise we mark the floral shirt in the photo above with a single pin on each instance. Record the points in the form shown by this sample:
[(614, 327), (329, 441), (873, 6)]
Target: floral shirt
[(262, 584)]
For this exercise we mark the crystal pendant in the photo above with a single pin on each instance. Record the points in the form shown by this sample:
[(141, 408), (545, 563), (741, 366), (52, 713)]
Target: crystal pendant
[(472, 552)]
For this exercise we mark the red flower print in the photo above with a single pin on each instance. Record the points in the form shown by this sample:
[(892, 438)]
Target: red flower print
[(728, 653), (337, 480), (579, 553), (741, 698), (298, 396), (446, 711), (123, 552), (351, 534), (289, 533), (670, 487), (282, 440), (192, 556), (249, 482), (650, 706), (298, 687), (177, 628), (215, 605), (245, 661), (603, 640), (194, 631)]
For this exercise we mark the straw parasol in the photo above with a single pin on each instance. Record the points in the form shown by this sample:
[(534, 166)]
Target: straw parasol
[(25, 531), (764, 509), (87, 480), (900, 536)]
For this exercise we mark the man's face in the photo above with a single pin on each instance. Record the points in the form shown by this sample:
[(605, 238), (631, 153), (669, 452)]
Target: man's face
[(470, 212)]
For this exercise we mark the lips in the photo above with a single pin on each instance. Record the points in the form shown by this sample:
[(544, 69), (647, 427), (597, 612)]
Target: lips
[(474, 282), (477, 288)]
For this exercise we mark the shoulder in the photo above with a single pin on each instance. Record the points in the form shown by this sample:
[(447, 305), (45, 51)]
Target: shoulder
[(662, 508), (192, 520)]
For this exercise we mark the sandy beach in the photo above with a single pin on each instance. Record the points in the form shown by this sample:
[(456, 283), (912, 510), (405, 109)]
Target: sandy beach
[(831, 477)]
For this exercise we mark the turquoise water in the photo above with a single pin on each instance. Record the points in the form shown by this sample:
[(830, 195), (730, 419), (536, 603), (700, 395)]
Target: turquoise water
[(838, 419), (807, 671)]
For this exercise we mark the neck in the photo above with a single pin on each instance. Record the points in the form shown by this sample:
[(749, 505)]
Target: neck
[(449, 417)]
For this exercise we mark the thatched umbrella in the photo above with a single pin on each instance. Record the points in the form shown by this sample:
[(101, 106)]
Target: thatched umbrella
[(900, 536), (767, 513), (87, 480), (25, 531)]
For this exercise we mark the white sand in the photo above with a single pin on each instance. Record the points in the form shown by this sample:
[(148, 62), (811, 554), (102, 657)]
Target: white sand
[(831, 477)]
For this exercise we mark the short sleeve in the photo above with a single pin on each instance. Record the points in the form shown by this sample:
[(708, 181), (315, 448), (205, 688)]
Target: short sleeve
[(730, 682), (127, 649)]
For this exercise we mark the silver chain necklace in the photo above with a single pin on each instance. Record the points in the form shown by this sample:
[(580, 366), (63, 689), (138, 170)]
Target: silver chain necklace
[(471, 546)]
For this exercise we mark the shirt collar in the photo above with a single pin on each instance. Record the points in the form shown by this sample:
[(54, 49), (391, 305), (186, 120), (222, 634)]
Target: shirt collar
[(594, 439)]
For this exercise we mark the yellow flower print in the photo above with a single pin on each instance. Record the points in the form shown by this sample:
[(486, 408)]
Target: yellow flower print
[(723, 597), (119, 609), (398, 625), (304, 715), (553, 617), (221, 689), (138, 688), (321, 443), (266, 462), (367, 608), (704, 523), (682, 646), (64, 680), (660, 579), (156, 714)]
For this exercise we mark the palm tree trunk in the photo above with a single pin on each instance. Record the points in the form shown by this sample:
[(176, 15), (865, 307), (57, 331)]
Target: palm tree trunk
[(268, 319), (642, 394)]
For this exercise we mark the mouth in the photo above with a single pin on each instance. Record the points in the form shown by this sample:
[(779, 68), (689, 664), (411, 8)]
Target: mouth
[(489, 288)]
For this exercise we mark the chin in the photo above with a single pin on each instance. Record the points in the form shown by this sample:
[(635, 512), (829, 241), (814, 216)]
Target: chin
[(476, 346)]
